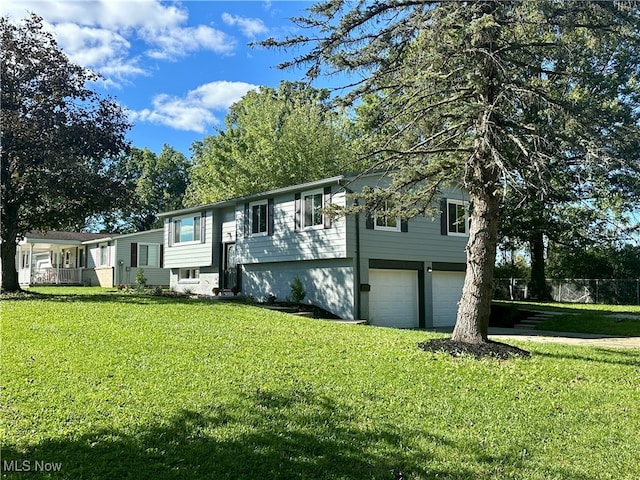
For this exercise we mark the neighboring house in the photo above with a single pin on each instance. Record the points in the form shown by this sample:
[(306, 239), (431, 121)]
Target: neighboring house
[(72, 258), (393, 273), (53, 258), (116, 260)]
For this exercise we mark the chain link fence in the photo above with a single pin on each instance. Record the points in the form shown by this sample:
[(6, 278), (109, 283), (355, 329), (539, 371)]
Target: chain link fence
[(610, 291)]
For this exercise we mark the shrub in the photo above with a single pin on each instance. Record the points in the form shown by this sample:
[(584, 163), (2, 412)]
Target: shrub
[(141, 280), (297, 291)]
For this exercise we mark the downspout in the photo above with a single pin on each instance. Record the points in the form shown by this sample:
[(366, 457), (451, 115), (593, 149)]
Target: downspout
[(357, 255)]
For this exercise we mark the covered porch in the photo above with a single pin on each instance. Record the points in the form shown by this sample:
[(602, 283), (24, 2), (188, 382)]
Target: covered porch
[(53, 258)]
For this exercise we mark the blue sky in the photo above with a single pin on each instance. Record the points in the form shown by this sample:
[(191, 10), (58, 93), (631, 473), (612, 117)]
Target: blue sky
[(175, 67)]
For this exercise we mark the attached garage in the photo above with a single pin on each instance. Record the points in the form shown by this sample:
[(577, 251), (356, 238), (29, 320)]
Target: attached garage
[(393, 298), (447, 290)]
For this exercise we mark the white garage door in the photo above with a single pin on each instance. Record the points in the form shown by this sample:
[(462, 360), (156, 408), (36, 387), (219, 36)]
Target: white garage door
[(393, 299), (447, 290)]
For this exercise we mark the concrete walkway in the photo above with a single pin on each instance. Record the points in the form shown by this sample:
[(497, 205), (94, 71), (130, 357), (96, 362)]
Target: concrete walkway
[(567, 338)]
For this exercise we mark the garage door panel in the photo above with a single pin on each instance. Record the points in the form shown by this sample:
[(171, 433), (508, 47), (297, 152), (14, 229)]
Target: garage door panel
[(393, 299), (447, 291)]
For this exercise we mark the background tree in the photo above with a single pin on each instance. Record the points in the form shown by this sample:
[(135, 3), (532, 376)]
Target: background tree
[(458, 81), (273, 138), (57, 139), (155, 183)]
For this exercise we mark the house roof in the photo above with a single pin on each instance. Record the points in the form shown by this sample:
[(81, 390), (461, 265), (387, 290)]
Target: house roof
[(115, 236), (256, 196), (63, 236)]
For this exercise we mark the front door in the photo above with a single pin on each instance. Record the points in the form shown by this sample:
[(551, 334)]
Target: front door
[(230, 274)]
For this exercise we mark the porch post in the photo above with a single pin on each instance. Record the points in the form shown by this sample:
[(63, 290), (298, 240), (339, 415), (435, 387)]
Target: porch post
[(58, 261), (20, 262), (30, 263)]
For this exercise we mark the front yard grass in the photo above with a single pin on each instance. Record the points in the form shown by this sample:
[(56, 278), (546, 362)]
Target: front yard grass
[(622, 320), (114, 386)]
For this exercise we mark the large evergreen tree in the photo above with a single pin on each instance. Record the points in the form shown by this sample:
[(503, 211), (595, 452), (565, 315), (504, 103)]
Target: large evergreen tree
[(472, 92), (57, 138)]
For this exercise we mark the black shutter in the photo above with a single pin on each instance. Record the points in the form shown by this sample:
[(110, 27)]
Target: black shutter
[(326, 202), (404, 225), (134, 254), (270, 207), (444, 224), (298, 214), (246, 225), (161, 256), (369, 221)]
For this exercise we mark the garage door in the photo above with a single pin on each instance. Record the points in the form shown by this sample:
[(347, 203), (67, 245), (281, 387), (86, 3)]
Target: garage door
[(447, 290), (393, 299)]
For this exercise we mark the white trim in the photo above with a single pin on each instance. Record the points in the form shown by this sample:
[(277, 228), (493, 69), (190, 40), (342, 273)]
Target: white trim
[(198, 231), (465, 205), (385, 228), (266, 218), (193, 275), (303, 195), (146, 244)]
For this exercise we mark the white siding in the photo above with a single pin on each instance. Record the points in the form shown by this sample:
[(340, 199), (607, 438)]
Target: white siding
[(328, 283), (125, 273), (286, 244), (192, 254)]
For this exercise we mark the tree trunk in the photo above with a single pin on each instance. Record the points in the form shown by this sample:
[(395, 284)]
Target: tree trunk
[(9, 272), (472, 324), (538, 285)]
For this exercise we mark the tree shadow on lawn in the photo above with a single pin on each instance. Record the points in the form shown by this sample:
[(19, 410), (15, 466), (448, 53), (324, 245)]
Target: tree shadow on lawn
[(107, 297), (265, 435), (269, 435), (598, 354)]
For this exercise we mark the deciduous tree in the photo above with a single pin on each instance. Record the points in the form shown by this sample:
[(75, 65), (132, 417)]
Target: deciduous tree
[(155, 183), (272, 138), (58, 136)]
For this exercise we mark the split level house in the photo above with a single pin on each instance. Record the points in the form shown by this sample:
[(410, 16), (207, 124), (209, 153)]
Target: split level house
[(391, 272), (73, 258)]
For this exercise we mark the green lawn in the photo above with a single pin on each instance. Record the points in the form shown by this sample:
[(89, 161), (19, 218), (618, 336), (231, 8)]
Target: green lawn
[(113, 386), (587, 318)]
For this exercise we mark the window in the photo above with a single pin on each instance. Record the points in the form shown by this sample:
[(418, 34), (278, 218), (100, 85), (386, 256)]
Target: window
[(104, 255), (457, 217), (189, 275), (186, 230), (382, 222), (259, 218), (148, 255), (312, 205)]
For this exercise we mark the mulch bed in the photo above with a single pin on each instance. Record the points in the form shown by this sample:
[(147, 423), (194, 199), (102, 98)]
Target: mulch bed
[(490, 349)]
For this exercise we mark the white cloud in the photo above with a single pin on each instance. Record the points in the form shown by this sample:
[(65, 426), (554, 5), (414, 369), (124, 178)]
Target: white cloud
[(250, 27), (173, 43), (195, 111), (99, 34)]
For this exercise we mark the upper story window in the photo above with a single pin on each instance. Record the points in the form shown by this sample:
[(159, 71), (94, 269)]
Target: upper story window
[(312, 205), (148, 255), (259, 218), (187, 229), (383, 222), (457, 217)]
